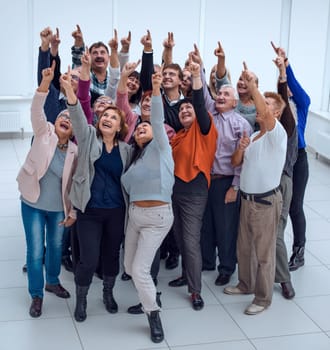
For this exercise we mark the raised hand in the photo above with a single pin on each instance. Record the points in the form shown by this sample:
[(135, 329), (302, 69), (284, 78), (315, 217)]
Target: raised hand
[(146, 41), (244, 141), (129, 68), (48, 73), (78, 37), (279, 51), (169, 43), (55, 42), (196, 56), (219, 52), (157, 79), (86, 59), (279, 62), (248, 77), (125, 43), (113, 43), (45, 36), (193, 67)]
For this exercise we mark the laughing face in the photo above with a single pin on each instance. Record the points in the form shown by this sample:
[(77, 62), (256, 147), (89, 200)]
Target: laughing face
[(226, 99), (143, 134), (63, 126), (186, 115), (100, 58)]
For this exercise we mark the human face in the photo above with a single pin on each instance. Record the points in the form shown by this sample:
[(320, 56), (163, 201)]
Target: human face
[(133, 85), (101, 103), (186, 83), (171, 79), (109, 123), (225, 100), (186, 115), (241, 87), (143, 134), (75, 74), (100, 58), (271, 104), (146, 107), (63, 126), (212, 75)]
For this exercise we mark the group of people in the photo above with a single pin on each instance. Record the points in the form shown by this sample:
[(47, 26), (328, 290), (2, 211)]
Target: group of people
[(157, 158)]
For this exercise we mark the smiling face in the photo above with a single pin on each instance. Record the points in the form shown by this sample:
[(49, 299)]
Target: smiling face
[(133, 84), (100, 58), (109, 122), (143, 134), (226, 99), (101, 103), (146, 108), (171, 79), (63, 126), (186, 83), (186, 115)]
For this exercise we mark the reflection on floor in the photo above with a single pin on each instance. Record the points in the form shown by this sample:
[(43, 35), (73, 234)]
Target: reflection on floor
[(302, 323)]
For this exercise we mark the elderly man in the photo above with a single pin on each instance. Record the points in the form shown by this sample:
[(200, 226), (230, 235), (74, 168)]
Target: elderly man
[(262, 165)]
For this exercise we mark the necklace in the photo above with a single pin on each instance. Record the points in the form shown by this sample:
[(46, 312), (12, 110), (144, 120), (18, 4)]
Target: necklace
[(62, 146)]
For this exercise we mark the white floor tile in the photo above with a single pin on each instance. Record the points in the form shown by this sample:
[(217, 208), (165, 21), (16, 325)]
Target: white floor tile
[(317, 308), (237, 345), (320, 249), (317, 341)]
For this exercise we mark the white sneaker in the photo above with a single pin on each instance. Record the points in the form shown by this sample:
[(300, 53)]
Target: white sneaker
[(233, 290), (254, 309)]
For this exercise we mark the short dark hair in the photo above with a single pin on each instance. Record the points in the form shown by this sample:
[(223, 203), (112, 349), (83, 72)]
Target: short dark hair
[(97, 45), (176, 67)]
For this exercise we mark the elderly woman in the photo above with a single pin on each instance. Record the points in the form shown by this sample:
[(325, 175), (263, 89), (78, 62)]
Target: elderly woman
[(44, 183), (148, 182), (97, 194), (194, 148)]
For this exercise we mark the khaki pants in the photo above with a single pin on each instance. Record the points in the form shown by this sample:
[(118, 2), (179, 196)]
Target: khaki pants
[(256, 247)]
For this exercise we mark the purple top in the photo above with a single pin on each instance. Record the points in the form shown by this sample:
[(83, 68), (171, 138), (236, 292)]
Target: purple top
[(84, 98)]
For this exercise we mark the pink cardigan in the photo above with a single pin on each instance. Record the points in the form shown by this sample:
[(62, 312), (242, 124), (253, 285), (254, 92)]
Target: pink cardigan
[(40, 155)]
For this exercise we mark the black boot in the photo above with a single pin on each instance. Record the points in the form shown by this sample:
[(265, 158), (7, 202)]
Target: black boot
[(108, 299), (137, 309), (156, 329), (297, 258), (81, 303)]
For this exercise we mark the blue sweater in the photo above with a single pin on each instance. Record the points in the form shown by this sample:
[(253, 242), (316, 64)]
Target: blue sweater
[(302, 102), (151, 177)]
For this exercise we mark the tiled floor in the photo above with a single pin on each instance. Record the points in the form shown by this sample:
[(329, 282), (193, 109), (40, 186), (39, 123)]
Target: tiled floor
[(302, 323)]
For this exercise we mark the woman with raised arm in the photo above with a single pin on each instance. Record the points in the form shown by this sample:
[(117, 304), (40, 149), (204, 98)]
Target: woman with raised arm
[(97, 194), (44, 183), (148, 183)]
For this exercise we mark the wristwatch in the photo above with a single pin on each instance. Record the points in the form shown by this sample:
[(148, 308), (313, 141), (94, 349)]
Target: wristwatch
[(236, 188)]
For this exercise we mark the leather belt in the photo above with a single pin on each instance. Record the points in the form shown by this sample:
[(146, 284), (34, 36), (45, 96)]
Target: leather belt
[(258, 197), (219, 176)]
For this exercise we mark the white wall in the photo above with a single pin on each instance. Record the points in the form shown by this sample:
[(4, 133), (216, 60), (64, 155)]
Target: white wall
[(245, 29)]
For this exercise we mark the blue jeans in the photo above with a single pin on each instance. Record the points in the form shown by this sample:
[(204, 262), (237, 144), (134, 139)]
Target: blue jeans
[(39, 224)]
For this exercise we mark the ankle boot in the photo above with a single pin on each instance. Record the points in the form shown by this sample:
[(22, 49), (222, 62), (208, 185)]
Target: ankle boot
[(297, 258), (108, 299), (156, 329), (81, 303)]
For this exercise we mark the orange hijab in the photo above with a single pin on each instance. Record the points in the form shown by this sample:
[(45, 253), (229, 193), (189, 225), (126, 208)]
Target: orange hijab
[(194, 152)]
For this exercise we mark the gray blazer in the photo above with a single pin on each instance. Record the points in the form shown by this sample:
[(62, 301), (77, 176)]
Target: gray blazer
[(89, 150)]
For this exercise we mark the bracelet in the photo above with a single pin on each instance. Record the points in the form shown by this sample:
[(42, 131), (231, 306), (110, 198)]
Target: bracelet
[(282, 79)]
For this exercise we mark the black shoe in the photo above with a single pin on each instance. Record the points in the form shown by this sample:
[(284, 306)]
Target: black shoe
[(81, 303), (24, 268), (297, 258), (36, 306), (197, 301), (172, 262), (287, 290), (178, 282), (125, 277), (67, 263), (137, 309), (222, 279), (58, 290)]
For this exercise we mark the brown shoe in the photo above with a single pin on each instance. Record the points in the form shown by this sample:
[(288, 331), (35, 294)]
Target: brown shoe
[(287, 290), (58, 290), (36, 306)]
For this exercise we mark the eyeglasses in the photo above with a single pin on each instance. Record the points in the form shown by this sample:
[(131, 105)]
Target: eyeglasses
[(65, 117), (74, 77), (104, 101)]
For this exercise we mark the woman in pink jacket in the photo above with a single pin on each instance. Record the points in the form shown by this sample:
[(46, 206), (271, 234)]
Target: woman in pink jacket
[(44, 182)]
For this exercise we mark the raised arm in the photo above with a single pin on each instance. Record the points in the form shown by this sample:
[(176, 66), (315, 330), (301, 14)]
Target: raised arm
[(168, 45), (114, 67), (287, 118), (198, 102), (147, 67), (238, 155), (124, 51), (157, 113), (221, 76), (78, 47)]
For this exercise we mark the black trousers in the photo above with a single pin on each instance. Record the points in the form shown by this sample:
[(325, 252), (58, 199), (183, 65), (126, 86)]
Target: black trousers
[(299, 182), (100, 233)]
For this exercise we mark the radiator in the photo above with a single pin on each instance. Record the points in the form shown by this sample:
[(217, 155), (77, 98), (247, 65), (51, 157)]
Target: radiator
[(11, 122)]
